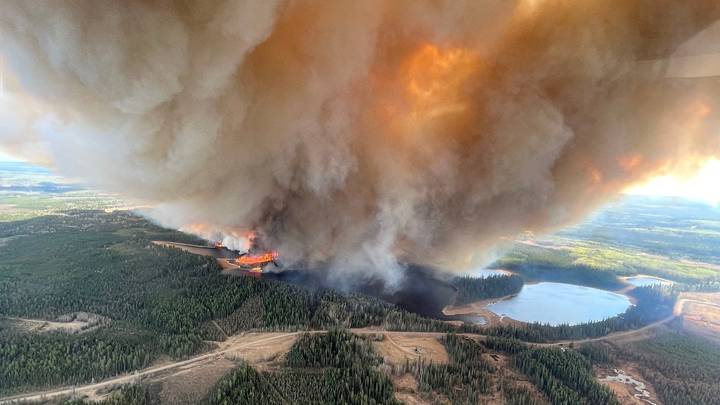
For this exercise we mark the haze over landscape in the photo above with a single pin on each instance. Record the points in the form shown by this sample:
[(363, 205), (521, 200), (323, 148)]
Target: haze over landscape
[(375, 202), (435, 131)]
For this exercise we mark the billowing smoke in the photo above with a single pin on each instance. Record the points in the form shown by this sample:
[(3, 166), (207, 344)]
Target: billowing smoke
[(363, 133)]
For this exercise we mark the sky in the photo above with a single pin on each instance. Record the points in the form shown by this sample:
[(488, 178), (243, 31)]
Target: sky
[(4, 157), (703, 185)]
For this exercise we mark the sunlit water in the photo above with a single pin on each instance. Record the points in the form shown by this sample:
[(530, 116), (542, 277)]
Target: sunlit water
[(644, 281), (558, 303)]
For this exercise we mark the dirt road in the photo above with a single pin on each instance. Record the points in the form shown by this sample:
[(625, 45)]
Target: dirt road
[(91, 390), (613, 336), (238, 343)]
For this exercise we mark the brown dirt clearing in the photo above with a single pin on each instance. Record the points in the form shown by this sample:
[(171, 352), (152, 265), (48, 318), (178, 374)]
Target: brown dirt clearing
[(406, 390), (396, 349), (256, 348), (703, 320), (626, 392), (480, 308), (71, 323), (711, 298), (192, 385)]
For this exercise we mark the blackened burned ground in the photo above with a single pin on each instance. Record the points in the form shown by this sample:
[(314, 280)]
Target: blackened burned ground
[(418, 290)]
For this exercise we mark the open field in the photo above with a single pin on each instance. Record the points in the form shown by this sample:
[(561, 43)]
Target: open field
[(703, 320), (669, 238), (42, 326), (710, 298), (397, 349), (27, 192), (191, 385), (190, 248), (701, 314), (259, 348), (592, 256)]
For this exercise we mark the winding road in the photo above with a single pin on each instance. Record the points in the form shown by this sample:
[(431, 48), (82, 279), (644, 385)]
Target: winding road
[(237, 342)]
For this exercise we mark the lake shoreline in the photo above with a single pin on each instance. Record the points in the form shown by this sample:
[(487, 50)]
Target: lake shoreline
[(479, 308), (583, 296)]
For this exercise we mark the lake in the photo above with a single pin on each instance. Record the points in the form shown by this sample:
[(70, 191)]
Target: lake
[(644, 281), (558, 303)]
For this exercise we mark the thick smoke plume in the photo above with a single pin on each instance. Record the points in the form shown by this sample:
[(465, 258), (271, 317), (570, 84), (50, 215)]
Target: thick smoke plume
[(363, 133)]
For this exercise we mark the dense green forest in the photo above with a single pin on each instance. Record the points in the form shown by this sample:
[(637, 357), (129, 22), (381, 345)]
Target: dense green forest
[(563, 375), (474, 289), (340, 368), (332, 368), (653, 304), (244, 385), (588, 262), (162, 302), (464, 379), (516, 394), (27, 361), (159, 301), (542, 264), (684, 369)]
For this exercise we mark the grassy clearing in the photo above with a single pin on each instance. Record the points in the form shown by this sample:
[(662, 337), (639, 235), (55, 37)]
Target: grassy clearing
[(593, 260), (19, 206)]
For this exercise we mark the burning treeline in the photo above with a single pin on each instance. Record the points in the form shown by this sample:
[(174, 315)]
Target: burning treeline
[(360, 133)]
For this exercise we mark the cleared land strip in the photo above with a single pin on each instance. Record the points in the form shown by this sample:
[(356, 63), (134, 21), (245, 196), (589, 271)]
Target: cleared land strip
[(90, 389), (240, 342)]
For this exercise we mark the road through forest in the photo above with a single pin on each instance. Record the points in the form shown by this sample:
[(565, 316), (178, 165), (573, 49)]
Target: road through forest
[(236, 342)]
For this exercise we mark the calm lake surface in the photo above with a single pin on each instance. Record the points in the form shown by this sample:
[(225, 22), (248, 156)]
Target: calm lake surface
[(643, 281), (558, 303)]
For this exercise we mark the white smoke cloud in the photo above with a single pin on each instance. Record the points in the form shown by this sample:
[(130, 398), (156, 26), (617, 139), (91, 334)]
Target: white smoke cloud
[(358, 133)]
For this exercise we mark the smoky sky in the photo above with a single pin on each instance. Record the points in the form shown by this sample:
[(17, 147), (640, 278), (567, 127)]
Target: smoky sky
[(363, 133)]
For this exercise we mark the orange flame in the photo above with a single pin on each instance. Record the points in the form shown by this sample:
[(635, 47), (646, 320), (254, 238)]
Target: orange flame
[(256, 260)]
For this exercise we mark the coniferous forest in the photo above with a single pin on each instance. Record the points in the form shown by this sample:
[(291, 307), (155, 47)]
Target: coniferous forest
[(465, 378), (684, 369), (474, 289), (563, 375), (156, 302), (332, 368)]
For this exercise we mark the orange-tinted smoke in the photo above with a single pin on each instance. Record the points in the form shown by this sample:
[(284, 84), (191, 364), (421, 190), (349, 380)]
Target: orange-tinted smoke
[(363, 134)]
